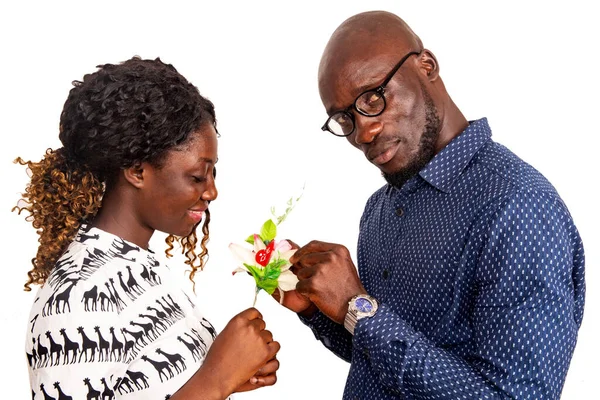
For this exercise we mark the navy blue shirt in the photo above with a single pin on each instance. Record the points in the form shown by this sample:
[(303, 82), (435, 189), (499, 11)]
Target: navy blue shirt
[(479, 272)]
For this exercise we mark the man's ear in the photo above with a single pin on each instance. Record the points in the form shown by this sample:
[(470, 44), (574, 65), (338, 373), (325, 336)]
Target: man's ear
[(135, 175), (429, 65)]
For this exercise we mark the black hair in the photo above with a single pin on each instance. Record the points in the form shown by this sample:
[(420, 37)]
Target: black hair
[(115, 118)]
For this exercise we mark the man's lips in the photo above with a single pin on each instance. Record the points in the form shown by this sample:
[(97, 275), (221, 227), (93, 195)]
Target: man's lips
[(383, 154)]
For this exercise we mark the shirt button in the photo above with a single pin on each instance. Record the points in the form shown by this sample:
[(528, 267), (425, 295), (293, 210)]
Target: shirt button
[(399, 211), (385, 274)]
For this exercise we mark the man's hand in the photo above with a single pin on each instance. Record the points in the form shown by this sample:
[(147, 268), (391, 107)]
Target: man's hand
[(296, 302), (293, 300), (327, 277)]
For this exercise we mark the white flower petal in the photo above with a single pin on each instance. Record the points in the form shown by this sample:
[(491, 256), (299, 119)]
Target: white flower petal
[(285, 267), (258, 244), (238, 269), (283, 245), (243, 254), (287, 281), (287, 254)]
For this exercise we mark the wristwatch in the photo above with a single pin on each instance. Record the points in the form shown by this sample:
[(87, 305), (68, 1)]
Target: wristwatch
[(359, 307)]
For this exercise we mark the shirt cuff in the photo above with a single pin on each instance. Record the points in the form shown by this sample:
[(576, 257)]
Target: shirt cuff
[(384, 339)]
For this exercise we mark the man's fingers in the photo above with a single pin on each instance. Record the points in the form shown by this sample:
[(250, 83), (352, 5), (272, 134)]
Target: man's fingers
[(305, 273), (312, 247), (313, 259), (277, 295), (304, 287)]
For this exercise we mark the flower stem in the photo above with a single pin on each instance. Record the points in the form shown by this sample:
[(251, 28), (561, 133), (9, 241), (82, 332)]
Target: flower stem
[(255, 296)]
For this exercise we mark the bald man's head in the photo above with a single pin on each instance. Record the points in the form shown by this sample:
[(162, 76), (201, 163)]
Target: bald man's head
[(382, 90), (365, 35)]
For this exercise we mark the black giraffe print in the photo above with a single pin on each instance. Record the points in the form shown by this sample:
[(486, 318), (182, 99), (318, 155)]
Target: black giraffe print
[(88, 283)]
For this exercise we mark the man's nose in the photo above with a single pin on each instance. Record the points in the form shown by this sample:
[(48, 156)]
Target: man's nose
[(367, 128)]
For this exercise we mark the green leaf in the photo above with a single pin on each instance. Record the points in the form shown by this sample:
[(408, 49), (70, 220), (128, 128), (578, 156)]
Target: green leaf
[(268, 231), (268, 285), (250, 239), (273, 269), (257, 273), (266, 278)]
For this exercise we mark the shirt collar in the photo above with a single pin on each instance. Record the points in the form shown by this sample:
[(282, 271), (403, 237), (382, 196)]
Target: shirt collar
[(105, 241), (447, 165)]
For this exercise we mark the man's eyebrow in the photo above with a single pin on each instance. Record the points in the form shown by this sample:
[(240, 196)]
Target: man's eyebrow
[(360, 90)]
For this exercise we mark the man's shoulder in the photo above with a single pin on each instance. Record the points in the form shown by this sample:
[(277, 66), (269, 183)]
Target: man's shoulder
[(519, 176)]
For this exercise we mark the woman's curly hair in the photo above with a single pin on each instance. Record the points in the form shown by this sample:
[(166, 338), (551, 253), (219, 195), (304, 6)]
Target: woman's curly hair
[(117, 117)]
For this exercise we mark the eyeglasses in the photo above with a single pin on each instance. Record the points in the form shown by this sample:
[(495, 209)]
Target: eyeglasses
[(370, 103)]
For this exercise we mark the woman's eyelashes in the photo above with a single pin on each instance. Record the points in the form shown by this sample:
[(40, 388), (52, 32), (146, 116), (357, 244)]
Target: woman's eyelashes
[(203, 177)]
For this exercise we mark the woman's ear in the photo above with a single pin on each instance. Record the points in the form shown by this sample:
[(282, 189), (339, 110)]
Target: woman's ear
[(429, 64), (135, 175)]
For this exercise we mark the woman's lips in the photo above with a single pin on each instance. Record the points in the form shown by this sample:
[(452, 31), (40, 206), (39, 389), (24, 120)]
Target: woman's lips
[(196, 215)]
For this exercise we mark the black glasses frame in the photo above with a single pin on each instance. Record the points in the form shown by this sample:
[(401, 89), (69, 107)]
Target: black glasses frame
[(380, 90)]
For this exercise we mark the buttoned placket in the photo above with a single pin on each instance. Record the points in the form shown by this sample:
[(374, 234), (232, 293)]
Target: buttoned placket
[(400, 200)]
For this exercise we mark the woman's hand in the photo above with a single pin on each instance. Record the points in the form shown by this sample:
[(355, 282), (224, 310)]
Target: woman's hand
[(241, 349), (243, 353), (265, 376)]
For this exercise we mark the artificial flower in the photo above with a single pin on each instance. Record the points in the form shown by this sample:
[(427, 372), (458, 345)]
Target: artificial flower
[(269, 260), (269, 263)]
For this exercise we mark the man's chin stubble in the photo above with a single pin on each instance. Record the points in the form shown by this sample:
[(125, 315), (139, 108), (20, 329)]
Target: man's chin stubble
[(426, 148)]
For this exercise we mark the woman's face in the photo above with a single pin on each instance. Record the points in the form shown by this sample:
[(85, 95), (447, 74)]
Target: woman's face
[(176, 195)]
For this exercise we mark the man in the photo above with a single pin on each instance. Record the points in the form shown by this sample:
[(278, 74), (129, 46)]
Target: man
[(471, 269)]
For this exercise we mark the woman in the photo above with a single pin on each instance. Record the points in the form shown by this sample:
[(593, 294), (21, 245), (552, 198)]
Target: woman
[(139, 154)]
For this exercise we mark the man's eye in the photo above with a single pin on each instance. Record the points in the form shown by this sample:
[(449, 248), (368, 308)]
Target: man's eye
[(341, 119), (373, 98), (198, 178)]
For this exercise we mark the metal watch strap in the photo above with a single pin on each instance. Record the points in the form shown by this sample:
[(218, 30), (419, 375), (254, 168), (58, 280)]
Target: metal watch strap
[(350, 319)]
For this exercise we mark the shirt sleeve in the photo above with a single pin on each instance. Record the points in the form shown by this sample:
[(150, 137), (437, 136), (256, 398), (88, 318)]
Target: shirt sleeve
[(333, 335), (147, 345), (528, 305), (71, 360)]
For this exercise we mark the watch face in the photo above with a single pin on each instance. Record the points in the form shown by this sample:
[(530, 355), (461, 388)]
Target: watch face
[(363, 305)]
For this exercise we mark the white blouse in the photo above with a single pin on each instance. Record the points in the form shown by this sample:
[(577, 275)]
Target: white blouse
[(111, 323)]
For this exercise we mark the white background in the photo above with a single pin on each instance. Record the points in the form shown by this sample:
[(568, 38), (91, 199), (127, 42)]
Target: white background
[(530, 67)]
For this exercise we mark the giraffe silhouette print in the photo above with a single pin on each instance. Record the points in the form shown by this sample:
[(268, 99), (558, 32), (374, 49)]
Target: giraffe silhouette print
[(110, 323)]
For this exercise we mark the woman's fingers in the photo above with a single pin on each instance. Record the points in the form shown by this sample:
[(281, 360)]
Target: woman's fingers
[(269, 368)]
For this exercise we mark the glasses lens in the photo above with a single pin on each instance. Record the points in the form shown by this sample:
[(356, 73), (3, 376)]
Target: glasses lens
[(370, 103), (341, 124)]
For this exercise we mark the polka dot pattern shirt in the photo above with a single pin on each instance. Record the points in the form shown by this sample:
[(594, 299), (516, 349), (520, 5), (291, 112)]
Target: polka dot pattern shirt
[(479, 272)]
